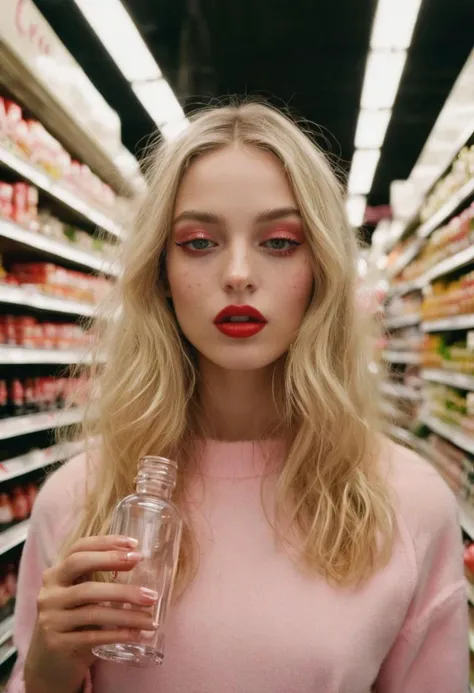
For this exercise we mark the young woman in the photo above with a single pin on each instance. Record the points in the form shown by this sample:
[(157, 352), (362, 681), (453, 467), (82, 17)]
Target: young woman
[(317, 555)]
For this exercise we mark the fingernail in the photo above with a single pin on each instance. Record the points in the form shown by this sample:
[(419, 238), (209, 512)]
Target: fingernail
[(131, 556), (127, 542), (149, 594)]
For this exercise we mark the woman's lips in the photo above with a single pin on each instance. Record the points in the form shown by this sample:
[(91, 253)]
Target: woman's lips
[(240, 322)]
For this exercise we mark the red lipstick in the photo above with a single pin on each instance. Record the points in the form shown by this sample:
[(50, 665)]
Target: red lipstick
[(240, 322)]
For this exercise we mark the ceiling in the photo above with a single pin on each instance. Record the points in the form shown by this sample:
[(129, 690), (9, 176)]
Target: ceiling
[(307, 55)]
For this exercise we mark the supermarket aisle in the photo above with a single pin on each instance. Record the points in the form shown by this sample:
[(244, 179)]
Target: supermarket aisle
[(60, 224), (429, 343)]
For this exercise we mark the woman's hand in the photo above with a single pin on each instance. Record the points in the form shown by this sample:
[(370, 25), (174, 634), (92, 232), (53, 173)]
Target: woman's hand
[(72, 617)]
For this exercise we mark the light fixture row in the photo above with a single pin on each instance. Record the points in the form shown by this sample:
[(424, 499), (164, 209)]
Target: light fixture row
[(118, 33), (392, 32)]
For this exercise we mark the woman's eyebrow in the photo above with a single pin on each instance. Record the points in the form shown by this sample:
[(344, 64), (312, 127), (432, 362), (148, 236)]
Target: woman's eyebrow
[(193, 215), (209, 218), (279, 213)]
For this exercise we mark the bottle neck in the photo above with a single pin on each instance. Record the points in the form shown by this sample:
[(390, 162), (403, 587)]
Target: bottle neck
[(154, 488), (156, 477)]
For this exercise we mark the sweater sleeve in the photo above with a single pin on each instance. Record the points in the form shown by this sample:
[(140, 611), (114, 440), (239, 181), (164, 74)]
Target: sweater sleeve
[(431, 654), (48, 527), (431, 651)]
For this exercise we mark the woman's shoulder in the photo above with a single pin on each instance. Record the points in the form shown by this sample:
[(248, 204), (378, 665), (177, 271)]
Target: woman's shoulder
[(63, 494), (423, 502)]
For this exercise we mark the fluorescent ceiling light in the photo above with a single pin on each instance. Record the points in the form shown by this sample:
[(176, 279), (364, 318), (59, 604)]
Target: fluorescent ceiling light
[(117, 31), (394, 24), (355, 208), (371, 128), (172, 130), (159, 100), (362, 172), (382, 77)]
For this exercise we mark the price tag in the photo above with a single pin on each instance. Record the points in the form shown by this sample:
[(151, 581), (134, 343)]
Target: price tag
[(470, 340)]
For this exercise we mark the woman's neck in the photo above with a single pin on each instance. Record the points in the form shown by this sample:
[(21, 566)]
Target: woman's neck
[(237, 405)]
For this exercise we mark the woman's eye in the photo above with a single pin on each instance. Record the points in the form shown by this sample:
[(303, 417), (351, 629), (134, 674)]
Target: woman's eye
[(198, 244), (280, 244)]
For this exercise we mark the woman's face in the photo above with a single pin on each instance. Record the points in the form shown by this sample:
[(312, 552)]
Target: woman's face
[(238, 264)]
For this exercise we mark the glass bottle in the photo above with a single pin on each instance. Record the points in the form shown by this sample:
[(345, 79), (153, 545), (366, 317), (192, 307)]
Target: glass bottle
[(150, 517)]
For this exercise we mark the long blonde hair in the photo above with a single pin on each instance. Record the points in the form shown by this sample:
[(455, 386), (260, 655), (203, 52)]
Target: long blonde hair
[(330, 487)]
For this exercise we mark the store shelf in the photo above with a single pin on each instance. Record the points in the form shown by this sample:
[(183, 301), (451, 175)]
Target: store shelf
[(464, 257), (470, 592), (6, 653), (23, 425), (406, 257), (38, 459), (457, 437), (58, 191), (455, 322), (19, 296), (455, 201), (21, 355), (14, 536), (460, 380), (405, 288), (56, 249), (466, 516), (400, 391), (401, 435), (402, 321), (409, 357), (6, 629)]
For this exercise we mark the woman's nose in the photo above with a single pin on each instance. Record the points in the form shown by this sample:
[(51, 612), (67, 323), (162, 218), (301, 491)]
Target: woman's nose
[(238, 274)]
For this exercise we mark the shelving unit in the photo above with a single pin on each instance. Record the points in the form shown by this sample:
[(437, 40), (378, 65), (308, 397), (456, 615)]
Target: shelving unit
[(402, 321), (59, 192), (32, 423), (408, 357), (441, 370), (55, 249), (21, 355)]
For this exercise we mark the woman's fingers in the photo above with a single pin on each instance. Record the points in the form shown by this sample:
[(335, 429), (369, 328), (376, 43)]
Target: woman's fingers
[(94, 638), (96, 592), (104, 617), (82, 563), (104, 543)]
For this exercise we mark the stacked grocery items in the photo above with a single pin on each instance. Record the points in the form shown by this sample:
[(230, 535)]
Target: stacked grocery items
[(28, 138), (8, 583), (452, 238), (31, 333), (19, 202), (455, 465), (451, 405), (16, 504), (456, 356), (21, 396), (451, 297), (461, 172), (57, 281)]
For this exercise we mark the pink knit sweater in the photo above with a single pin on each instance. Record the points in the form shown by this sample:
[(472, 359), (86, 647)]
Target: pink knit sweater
[(251, 622)]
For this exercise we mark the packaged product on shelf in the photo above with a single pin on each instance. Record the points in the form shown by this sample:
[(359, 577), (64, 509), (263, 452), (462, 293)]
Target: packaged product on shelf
[(6, 512), (16, 398), (462, 170), (20, 504), (448, 298), (57, 281), (30, 333), (3, 399), (455, 465), (30, 139)]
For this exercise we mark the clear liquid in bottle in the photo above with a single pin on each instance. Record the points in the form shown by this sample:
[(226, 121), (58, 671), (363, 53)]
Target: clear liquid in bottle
[(150, 517)]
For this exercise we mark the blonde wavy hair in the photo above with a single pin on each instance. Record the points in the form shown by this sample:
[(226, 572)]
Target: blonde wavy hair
[(330, 487)]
